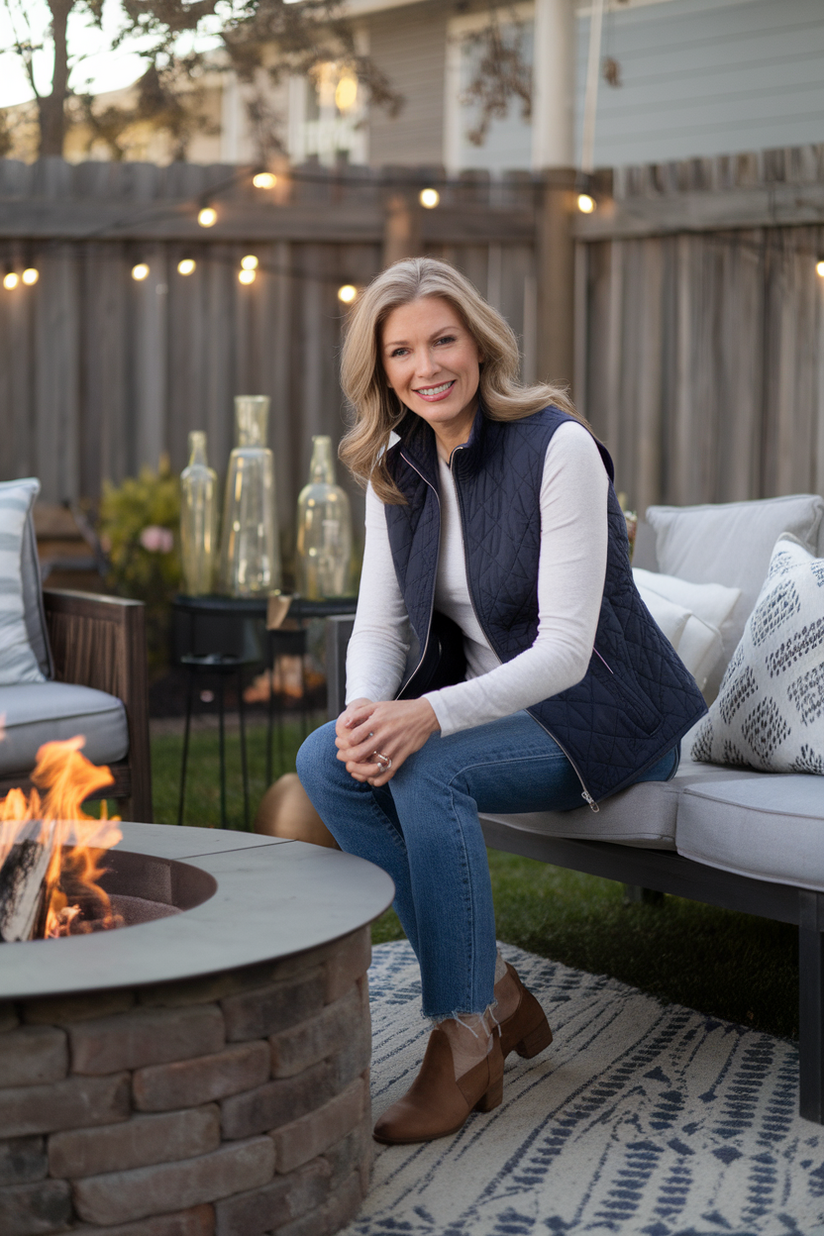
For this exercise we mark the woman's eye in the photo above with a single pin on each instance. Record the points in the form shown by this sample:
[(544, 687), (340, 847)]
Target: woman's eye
[(446, 339), (398, 352)]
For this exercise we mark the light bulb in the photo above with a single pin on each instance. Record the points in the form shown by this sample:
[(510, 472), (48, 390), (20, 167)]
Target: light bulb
[(246, 276), (140, 272), (30, 275), (264, 180), (249, 262), (207, 217), (186, 266), (819, 267), (346, 92), (347, 293), (586, 204), (429, 198), (11, 280)]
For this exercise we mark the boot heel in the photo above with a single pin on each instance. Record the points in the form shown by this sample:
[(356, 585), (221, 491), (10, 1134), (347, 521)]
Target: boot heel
[(493, 1097), (534, 1042)]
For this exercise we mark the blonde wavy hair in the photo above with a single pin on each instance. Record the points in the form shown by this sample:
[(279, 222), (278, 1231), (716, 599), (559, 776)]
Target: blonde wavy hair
[(377, 409)]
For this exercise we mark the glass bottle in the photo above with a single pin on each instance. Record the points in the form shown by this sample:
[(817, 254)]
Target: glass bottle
[(249, 550), (198, 519), (324, 548)]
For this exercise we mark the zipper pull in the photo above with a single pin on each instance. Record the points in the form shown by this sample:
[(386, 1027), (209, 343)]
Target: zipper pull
[(593, 806)]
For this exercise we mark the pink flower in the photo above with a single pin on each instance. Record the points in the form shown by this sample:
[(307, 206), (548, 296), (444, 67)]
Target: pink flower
[(157, 540)]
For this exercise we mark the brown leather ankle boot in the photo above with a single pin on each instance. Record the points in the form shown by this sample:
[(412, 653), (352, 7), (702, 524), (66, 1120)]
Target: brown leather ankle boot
[(436, 1104), (525, 1031)]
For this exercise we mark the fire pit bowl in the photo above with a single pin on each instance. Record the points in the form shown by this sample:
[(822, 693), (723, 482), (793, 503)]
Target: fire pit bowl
[(204, 1072)]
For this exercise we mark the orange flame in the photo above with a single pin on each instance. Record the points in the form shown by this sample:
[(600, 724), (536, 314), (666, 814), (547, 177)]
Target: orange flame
[(76, 842)]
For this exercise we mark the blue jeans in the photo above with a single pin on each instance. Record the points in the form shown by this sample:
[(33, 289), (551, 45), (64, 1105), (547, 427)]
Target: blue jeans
[(423, 829)]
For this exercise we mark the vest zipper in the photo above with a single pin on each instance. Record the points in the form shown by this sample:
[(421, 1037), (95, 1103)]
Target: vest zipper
[(585, 794), (437, 563)]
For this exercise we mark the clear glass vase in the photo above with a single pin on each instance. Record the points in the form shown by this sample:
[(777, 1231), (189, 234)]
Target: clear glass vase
[(249, 550), (324, 546), (198, 519)]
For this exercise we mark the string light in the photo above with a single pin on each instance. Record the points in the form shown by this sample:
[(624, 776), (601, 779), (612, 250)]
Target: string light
[(819, 267), (30, 275), (186, 266), (264, 180), (246, 276), (347, 293), (586, 204), (207, 216), (250, 262), (429, 198), (10, 280), (140, 271)]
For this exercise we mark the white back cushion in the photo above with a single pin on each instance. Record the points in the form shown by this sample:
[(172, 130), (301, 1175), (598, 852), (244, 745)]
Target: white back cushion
[(731, 543), (18, 658)]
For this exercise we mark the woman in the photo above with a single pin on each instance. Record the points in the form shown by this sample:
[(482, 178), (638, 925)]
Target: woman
[(496, 571)]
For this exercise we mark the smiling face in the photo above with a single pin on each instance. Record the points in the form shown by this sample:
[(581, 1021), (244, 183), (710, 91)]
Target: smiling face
[(432, 363)]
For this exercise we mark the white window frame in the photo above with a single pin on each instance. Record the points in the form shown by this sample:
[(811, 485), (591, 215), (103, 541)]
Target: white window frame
[(308, 137)]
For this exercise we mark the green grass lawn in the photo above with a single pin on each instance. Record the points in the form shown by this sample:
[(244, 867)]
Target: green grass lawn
[(722, 963)]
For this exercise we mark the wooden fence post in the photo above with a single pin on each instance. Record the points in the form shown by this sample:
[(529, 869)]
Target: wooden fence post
[(555, 267), (402, 229)]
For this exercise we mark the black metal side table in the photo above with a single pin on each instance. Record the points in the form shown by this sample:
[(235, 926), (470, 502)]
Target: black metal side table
[(280, 641), (218, 665)]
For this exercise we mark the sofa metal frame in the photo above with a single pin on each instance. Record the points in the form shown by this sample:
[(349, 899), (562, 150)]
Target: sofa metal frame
[(100, 641), (666, 872)]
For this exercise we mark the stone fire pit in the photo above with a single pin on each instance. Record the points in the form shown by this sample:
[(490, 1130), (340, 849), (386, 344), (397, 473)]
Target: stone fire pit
[(204, 1074)]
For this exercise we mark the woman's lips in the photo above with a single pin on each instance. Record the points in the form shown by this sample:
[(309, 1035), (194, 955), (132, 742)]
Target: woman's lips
[(433, 394)]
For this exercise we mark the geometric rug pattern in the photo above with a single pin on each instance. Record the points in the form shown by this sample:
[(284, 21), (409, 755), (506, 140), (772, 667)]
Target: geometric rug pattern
[(641, 1119)]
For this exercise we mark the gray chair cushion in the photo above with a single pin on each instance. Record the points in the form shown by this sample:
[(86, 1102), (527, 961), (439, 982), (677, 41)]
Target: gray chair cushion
[(42, 712), (645, 815), (769, 826)]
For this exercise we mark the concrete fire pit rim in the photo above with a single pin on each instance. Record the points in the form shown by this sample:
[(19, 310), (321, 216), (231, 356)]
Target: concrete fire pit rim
[(275, 899)]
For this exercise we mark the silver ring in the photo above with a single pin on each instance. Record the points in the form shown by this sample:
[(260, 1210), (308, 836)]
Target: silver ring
[(383, 760)]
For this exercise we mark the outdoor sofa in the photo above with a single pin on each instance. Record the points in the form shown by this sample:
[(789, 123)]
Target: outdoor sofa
[(724, 834), (70, 663)]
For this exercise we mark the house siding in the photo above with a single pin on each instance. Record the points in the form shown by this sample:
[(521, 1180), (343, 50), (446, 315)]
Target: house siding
[(410, 47), (705, 77)]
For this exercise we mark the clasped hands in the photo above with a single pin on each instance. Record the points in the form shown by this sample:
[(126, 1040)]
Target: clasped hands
[(393, 729)]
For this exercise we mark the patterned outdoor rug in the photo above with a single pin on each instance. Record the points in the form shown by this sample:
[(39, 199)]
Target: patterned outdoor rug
[(639, 1120)]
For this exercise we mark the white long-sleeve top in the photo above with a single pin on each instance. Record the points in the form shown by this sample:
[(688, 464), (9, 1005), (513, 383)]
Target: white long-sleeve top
[(571, 570)]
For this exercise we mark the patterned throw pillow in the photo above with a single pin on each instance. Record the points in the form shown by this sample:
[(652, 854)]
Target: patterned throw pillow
[(769, 713), (18, 662)]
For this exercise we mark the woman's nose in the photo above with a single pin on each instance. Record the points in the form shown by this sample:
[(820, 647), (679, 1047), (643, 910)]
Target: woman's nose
[(426, 363)]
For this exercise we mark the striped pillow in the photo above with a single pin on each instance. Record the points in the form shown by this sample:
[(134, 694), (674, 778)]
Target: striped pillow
[(18, 662)]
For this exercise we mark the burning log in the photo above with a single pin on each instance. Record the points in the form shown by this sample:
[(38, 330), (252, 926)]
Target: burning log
[(22, 879), (51, 851)]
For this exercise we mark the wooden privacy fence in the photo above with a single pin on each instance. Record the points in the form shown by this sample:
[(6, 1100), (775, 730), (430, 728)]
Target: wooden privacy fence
[(700, 326), (698, 314), (100, 373)]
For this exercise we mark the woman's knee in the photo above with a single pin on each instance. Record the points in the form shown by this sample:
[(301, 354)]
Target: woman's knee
[(316, 755)]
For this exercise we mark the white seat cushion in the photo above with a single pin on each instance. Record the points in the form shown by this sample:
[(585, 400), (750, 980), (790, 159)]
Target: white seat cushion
[(645, 815), (768, 826), (43, 712)]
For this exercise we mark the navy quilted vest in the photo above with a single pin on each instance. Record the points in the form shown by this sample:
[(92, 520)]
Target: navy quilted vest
[(637, 698)]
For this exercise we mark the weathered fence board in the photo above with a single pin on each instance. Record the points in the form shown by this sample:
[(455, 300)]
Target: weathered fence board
[(701, 364), (698, 317), (101, 373)]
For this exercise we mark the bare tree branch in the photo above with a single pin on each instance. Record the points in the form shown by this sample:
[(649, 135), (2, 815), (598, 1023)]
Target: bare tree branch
[(501, 74)]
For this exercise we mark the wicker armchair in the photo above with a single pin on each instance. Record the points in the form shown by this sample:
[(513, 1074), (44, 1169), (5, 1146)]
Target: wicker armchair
[(100, 642)]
